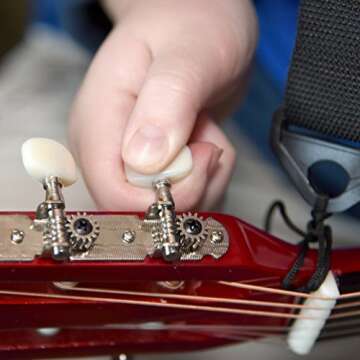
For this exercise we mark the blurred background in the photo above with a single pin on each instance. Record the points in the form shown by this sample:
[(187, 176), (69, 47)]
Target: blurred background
[(45, 49)]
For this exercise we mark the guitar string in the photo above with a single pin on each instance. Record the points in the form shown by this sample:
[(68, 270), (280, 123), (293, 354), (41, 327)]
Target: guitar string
[(198, 298), (345, 314), (168, 305), (347, 305), (350, 295), (274, 290), (188, 297), (207, 308), (261, 279), (288, 292), (345, 296), (163, 304), (338, 334), (231, 300), (254, 312), (211, 299)]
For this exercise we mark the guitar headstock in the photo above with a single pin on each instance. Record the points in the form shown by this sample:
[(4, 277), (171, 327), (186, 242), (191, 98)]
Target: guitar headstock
[(151, 277), (159, 244)]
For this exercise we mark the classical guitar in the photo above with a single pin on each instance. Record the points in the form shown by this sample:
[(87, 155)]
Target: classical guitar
[(107, 283), (161, 281)]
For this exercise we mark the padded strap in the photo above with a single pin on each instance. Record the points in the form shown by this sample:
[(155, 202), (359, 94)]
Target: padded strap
[(323, 90)]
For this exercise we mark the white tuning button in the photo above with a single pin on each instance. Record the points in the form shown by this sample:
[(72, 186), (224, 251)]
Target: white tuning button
[(175, 171), (45, 157)]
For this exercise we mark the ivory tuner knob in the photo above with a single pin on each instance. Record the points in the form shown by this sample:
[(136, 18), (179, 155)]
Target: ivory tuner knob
[(45, 157), (175, 171)]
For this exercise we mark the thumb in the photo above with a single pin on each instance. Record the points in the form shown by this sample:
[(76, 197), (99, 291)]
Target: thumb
[(174, 92)]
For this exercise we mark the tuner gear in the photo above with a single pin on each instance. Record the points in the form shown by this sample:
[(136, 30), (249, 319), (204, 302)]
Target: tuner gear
[(192, 231), (83, 230)]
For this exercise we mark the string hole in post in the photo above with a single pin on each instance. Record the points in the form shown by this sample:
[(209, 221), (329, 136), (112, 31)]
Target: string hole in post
[(328, 177)]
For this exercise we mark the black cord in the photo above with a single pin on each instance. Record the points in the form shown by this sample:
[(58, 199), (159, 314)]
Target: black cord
[(279, 205), (317, 232)]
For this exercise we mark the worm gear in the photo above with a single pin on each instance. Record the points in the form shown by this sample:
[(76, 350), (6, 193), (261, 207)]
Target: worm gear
[(192, 231), (82, 230)]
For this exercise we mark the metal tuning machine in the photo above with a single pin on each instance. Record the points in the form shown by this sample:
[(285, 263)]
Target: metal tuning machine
[(176, 237), (54, 167), (105, 237), (164, 231)]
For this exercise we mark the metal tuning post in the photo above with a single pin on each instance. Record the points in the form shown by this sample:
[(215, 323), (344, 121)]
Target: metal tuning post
[(54, 167), (167, 234), (183, 237), (161, 215), (55, 234)]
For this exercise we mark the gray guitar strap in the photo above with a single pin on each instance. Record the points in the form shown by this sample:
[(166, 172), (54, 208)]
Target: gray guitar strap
[(320, 118), (317, 129)]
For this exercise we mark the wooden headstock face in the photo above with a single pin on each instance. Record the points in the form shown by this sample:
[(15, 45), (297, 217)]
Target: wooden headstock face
[(151, 304), (243, 252), (107, 282)]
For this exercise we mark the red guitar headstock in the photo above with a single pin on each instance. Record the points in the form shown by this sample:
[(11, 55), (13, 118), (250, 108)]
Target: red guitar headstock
[(105, 282)]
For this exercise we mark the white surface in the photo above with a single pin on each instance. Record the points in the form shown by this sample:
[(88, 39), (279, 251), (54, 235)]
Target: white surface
[(306, 330), (175, 171), (37, 84), (44, 157)]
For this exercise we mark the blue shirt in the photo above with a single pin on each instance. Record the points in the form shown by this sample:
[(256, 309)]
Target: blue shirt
[(277, 22)]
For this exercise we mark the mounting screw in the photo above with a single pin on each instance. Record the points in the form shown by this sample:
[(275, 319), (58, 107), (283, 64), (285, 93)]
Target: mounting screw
[(217, 236), (17, 236), (128, 236)]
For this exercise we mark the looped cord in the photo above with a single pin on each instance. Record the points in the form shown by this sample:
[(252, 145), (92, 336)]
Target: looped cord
[(317, 232)]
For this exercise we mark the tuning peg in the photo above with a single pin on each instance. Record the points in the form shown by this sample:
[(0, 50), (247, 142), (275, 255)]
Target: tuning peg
[(51, 164), (175, 171), (44, 158), (164, 207)]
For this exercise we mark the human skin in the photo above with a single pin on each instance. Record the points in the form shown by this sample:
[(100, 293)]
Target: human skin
[(166, 75)]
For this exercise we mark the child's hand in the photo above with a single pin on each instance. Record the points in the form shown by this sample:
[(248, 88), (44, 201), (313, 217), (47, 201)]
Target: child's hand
[(168, 71)]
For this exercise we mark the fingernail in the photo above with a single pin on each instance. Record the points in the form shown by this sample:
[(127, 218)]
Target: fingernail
[(147, 148), (214, 161)]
